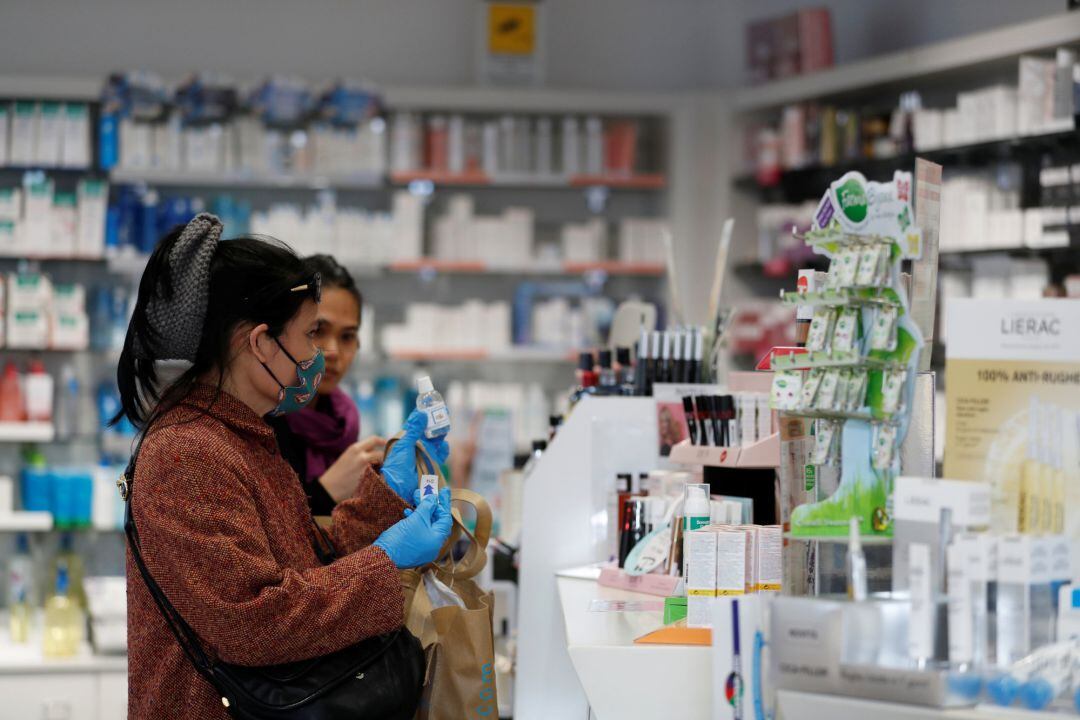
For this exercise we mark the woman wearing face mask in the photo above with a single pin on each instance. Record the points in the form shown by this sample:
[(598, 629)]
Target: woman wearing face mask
[(223, 524), (320, 441)]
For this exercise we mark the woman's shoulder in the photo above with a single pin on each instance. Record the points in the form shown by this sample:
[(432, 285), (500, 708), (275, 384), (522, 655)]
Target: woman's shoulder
[(185, 435)]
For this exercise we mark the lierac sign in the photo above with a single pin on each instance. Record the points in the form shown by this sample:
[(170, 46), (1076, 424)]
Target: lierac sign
[(1045, 330)]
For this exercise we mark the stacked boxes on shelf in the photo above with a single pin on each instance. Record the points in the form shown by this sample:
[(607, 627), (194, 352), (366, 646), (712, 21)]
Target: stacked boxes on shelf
[(40, 315), (45, 135), (513, 147), (37, 221)]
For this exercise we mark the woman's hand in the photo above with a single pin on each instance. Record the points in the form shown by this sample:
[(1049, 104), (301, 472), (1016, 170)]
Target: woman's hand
[(417, 539), (340, 479), (399, 470)]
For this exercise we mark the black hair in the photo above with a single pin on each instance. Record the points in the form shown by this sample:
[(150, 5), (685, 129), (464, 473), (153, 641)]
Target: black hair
[(334, 275), (250, 282)]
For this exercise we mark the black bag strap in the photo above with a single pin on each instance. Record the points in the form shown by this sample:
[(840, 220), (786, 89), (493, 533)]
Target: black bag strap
[(184, 634)]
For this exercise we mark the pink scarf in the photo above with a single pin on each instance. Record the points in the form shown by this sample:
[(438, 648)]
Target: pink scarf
[(328, 427)]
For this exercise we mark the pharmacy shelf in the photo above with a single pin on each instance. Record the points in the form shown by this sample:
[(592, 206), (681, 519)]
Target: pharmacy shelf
[(952, 57), (181, 178), (20, 432), (480, 267), (840, 539), (762, 454), (133, 265), (26, 522), (512, 355), (51, 87), (92, 259), (525, 100), (1010, 250), (792, 705), (642, 181), (810, 182)]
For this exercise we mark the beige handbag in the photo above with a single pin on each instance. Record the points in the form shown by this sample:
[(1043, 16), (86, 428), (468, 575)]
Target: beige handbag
[(453, 617)]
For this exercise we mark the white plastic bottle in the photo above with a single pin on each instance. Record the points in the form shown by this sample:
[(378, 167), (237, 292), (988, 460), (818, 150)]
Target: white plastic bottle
[(39, 393), (430, 402)]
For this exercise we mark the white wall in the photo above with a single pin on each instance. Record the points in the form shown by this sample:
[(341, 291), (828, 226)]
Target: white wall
[(615, 44), (863, 28)]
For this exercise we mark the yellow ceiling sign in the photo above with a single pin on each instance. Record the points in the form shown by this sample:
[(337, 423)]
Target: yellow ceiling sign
[(511, 28)]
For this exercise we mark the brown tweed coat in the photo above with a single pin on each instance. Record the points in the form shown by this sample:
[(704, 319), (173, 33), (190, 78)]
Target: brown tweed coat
[(226, 532)]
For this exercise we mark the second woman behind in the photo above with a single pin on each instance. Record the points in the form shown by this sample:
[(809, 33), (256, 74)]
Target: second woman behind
[(321, 441)]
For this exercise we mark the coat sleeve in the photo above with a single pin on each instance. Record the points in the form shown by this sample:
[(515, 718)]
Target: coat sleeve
[(203, 542), (362, 518)]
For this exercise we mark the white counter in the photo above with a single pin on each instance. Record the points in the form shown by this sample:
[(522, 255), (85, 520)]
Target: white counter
[(83, 687), (624, 681)]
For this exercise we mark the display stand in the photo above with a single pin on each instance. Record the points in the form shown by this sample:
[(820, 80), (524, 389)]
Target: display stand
[(564, 524), (761, 454)]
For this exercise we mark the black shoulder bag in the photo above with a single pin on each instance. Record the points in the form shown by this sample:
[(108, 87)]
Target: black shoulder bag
[(380, 678)]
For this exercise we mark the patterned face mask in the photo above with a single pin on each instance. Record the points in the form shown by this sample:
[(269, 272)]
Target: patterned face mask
[(296, 397)]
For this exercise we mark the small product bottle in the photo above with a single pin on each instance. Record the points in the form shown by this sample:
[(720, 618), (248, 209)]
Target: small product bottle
[(20, 589), (67, 405), (39, 393), (554, 422), (430, 402), (608, 383), (624, 370), (12, 408), (696, 508), (68, 558), (538, 448), (63, 619), (586, 378)]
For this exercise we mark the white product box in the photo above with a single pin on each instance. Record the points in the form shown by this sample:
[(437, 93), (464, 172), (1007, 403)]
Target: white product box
[(63, 226), (93, 200), (1035, 95), (928, 129), (5, 132), (27, 328), (75, 146), (69, 331), (731, 561), (9, 239), (48, 144), (28, 291), (701, 562), (23, 131), (770, 568), (10, 204)]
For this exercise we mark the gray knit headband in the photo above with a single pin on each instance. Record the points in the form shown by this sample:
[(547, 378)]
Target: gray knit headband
[(178, 319)]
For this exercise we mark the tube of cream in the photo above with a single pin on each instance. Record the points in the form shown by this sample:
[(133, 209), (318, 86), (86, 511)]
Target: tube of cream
[(691, 418)]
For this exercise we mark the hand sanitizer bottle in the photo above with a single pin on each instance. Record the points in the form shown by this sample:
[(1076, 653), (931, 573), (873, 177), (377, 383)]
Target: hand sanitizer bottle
[(430, 402)]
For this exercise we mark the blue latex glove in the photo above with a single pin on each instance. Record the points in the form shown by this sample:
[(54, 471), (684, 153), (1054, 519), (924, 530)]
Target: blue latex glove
[(399, 469), (416, 540)]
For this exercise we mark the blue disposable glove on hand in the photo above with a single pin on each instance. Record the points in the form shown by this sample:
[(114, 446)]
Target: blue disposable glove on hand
[(399, 469), (416, 540)]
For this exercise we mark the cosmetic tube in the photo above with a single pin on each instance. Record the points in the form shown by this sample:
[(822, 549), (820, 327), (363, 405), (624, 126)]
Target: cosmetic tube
[(856, 564), (691, 418), (641, 375)]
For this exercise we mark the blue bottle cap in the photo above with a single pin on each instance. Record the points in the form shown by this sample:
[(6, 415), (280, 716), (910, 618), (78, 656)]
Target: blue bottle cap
[(1036, 694), (1003, 689), (965, 685), (61, 579)]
